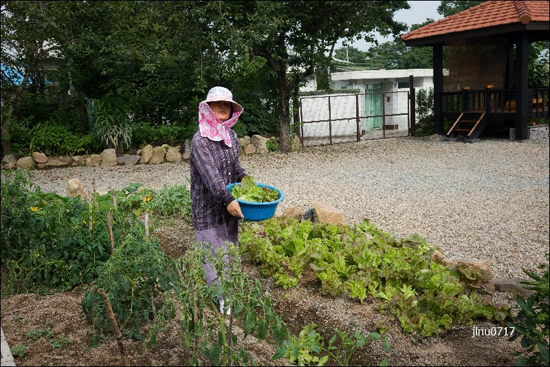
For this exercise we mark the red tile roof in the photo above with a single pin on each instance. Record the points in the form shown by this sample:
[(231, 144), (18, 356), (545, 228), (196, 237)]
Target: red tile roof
[(485, 15)]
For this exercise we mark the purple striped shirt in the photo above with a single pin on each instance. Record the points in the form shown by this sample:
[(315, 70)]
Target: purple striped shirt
[(213, 165)]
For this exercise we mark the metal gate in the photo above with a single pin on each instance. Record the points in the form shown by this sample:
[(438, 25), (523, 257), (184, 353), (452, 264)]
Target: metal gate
[(342, 118)]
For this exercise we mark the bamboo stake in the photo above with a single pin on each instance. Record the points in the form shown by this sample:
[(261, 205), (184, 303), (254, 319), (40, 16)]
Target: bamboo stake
[(146, 224), (90, 206), (116, 330), (196, 316), (114, 200), (110, 231)]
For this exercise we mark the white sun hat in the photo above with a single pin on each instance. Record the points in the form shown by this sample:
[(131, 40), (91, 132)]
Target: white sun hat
[(222, 94)]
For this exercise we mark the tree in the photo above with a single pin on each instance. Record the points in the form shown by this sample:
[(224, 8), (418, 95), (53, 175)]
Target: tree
[(295, 37), (32, 32), (350, 54), (450, 7)]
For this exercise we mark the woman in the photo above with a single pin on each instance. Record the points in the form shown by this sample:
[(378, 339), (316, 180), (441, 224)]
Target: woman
[(214, 163)]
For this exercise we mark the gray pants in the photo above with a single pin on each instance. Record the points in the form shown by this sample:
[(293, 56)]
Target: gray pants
[(217, 238)]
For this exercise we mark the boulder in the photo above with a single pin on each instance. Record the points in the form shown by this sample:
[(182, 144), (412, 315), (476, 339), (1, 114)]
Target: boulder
[(78, 160), (243, 143), (186, 154), (292, 212), (25, 163), (260, 143), (94, 160), (249, 149), (326, 213), (173, 155), (39, 157), (146, 154), (512, 285), (295, 143), (9, 161), (158, 155), (75, 187), (54, 162), (108, 157), (482, 265), (128, 159)]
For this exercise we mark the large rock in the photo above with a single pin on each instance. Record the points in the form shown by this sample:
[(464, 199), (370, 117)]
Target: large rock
[(108, 157), (295, 144), (9, 161), (146, 154), (326, 213), (481, 265), (292, 212), (186, 155), (128, 159), (94, 160), (260, 143), (75, 187), (54, 162), (25, 163), (512, 285), (39, 157), (173, 155), (78, 160), (158, 155), (244, 142), (249, 149)]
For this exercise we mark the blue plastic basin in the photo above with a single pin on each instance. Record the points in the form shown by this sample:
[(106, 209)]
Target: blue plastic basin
[(259, 211)]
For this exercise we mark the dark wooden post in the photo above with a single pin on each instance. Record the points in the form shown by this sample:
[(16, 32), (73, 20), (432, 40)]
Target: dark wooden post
[(384, 115), (522, 58), (412, 103), (438, 87), (329, 121), (357, 116)]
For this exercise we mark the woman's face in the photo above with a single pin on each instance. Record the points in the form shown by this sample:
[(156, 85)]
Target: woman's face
[(222, 109)]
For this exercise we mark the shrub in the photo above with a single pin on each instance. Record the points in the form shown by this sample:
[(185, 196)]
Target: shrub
[(111, 123), (533, 322), (58, 140)]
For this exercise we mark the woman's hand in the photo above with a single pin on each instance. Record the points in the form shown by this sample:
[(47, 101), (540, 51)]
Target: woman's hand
[(235, 209)]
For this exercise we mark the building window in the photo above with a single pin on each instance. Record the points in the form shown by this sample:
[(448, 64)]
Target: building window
[(401, 85)]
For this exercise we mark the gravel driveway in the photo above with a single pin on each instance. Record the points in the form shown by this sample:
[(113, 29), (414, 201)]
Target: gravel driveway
[(486, 201)]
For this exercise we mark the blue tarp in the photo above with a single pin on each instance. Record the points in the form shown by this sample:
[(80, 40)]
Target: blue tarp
[(15, 76)]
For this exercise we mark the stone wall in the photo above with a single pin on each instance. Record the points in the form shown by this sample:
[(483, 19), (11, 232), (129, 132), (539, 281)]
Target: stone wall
[(148, 155)]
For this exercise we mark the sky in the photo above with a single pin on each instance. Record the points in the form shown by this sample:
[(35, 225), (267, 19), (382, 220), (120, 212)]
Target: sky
[(419, 11)]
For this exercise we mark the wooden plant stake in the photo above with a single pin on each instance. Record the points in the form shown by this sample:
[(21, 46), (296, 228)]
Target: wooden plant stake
[(110, 231), (114, 325), (90, 206), (146, 224), (114, 200), (93, 185)]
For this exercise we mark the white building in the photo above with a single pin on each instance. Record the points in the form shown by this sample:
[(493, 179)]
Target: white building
[(382, 92)]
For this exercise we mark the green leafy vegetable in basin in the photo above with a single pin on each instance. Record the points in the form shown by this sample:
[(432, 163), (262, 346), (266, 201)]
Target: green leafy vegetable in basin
[(247, 190)]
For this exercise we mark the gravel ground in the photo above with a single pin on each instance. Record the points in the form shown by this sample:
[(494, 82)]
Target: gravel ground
[(486, 201)]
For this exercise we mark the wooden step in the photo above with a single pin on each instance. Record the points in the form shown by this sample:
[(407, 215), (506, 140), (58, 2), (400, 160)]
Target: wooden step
[(467, 130)]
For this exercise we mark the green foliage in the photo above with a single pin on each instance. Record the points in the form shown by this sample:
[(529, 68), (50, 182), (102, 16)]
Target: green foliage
[(166, 202), (532, 322), (19, 350), (55, 140), (308, 348), (208, 333), (111, 123), (143, 134), (136, 278), (425, 296), (272, 145), (247, 190)]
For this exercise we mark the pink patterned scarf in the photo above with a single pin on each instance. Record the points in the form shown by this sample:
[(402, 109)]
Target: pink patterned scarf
[(211, 127)]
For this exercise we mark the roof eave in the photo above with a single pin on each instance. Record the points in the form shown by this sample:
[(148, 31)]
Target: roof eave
[(477, 33)]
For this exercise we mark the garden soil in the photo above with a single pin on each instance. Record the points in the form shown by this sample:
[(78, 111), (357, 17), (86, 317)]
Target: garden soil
[(298, 306)]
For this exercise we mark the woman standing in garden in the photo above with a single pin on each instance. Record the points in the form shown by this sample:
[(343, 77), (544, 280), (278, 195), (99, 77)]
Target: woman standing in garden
[(214, 163)]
